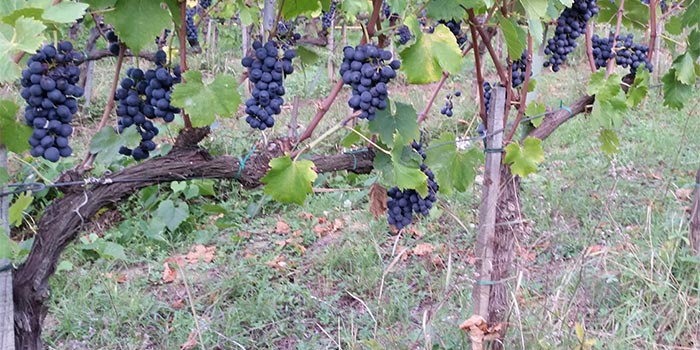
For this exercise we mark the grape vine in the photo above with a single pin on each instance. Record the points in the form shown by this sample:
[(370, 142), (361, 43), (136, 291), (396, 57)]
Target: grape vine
[(570, 25)]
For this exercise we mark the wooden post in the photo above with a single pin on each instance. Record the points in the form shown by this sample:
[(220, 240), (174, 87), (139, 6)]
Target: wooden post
[(7, 314), (489, 200)]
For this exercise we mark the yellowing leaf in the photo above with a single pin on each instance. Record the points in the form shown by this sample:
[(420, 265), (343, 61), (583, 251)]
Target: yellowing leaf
[(524, 160), (424, 61), (289, 181)]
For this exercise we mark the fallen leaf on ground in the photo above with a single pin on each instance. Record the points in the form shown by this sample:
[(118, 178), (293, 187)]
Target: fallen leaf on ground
[(279, 263), (191, 341), (684, 193), (178, 304), (169, 272), (306, 216), (281, 227), (423, 249), (200, 253)]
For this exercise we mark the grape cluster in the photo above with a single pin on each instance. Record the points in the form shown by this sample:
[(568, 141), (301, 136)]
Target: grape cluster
[(447, 109), (627, 53), (266, 71), (50, 90), (570, 25), (204, 4), (285, 35), (403, 204), (404, 34), (519, 69), (328, 16), (190, 28), (365, 69), (113, 41), (456, 28), (387, 13), (161, 41), (142, 97), (487, 96)]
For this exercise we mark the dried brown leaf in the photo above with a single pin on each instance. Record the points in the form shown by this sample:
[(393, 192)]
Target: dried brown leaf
[(282, 227), (199, 253), (377, 200), (422, 249), (191, 341)]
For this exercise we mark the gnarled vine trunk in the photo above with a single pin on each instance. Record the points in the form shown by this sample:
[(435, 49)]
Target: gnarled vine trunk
[(63, 218)]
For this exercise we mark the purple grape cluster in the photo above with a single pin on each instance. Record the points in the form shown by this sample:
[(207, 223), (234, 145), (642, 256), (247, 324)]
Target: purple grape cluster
[(487, 96), (266, 70), (143, 97), (627, 53), (328, 17), (519, 69), (49, 86), (404, 34), (570, 25), (190, 28), (285, 36), (162, 41), (456, 28), (113, 42), (447, 109), (368, 69), (387, 13), (204, 4), (403, 204)]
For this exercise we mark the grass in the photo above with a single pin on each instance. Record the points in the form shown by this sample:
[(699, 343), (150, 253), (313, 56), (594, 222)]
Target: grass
[(607, 249)]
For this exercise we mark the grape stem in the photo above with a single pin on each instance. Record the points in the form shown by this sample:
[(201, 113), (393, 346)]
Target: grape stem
[(486, 39), (523, 91), (315, 142), (424, 114), (479, 76), (611, 62), (90, 157), (183, 59), (374, 144), (326, 104), (277, 19), (652, 28), (589, 46)]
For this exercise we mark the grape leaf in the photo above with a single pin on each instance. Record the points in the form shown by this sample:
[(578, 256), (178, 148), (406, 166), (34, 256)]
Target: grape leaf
[(524, 159), (204, 102), (424, 61), (609, 112), (401, 168), (8, 247), (685, 68), (691, 14), (294, 8), (515, 36), (635, 13), (599, 85), (403, 121), (100, 4), (27, 12), (307, 55), (609, 141), (65, 12), (675, 92), (13, 135), (106, 143), (639, 88), (535, 109), (453, 169), (27, 36), (289, 181), (17, 208), (535, 8), (171, 215), (137, 22), (692, 43), (451, 9)]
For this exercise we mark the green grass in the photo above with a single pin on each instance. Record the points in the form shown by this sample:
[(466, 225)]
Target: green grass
[(348, 287)]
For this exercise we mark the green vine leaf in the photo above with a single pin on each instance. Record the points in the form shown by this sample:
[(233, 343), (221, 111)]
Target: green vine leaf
[(685, 68), (26, 34), (289, 181), (610, 143), (524, 160), (137, 22), (204, 102), (635, 13), (401, 168), (402, 121), (675, 92), (13, 135), (172, 215), (535, 108), (65, 12), (454, 169), (16, 212), (610, 104), (515, 36), (451, 9), (8, 248), (424, 61), (294, 8), (638, 91)]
